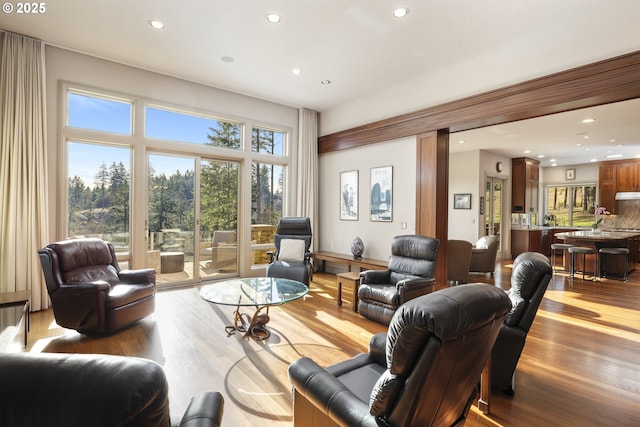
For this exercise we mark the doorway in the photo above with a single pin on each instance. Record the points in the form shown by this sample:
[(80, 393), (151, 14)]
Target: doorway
[(493, 206), (192, 218)]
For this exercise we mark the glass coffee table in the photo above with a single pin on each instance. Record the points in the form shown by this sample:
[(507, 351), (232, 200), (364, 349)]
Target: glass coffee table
[(258, 292)]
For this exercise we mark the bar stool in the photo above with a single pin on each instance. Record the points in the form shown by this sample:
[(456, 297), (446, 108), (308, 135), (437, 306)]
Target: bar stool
[(560, 247), (584, 250), (605, 252)]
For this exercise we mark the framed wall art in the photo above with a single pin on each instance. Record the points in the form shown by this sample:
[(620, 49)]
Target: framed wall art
[(349, 195), (381, 194), (569, 174), (462, 201)]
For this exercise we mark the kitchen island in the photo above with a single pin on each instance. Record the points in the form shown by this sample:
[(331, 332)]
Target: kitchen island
[(604, 239)]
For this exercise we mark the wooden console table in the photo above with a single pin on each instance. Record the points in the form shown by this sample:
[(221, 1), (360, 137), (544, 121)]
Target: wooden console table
[(349, 261)]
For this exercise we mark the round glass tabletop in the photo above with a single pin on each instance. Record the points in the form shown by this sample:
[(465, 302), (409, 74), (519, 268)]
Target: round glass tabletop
[(254, 291)]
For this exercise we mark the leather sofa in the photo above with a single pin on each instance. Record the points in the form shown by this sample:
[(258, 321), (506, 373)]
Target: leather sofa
[(483, 255), (89, 292), (529, 280), (423, 372), (411, 273), (80, 390)]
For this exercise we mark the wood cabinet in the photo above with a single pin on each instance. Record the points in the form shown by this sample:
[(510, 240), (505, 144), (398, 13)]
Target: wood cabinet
[(607, 186), (615, 176), (524, 185), (628, 176)]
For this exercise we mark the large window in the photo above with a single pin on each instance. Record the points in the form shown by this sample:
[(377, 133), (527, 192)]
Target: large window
[(168, 197), (571, 206), (98, 194)]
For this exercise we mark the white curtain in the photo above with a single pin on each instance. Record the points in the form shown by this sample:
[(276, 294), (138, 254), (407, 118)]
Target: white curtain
[(23, 170), (308, 168)]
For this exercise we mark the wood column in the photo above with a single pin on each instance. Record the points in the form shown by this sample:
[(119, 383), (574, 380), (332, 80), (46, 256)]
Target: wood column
[(432, 189)]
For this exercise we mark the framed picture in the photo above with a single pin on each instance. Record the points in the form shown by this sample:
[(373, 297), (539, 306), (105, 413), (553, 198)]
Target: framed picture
[(381, 194), (349, 195), (462, 201), (569, 174)]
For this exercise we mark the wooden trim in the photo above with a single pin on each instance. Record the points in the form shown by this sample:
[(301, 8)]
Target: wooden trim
[(611, 80)]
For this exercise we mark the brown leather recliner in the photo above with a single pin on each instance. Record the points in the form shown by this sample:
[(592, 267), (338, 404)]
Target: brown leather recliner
[(423, 372), (89, 292), (529, 280), (411, 273), (80, 390)]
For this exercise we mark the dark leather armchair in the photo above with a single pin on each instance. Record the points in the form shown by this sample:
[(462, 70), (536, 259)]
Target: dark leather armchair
[(529, 279), (89, 292), (79, 390), (423, 372), (483, 255), (411, 274), (292, 258)]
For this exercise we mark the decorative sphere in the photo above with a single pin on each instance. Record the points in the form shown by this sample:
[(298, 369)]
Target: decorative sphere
[(357, 247)]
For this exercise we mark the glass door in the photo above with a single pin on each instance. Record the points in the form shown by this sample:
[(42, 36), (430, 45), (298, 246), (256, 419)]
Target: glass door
[(493, 199), (171, 218), (218, 237)]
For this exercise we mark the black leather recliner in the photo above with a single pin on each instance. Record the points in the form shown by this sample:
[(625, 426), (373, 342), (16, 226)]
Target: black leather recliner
[(411, 274), (80, 390), (423, 372), (529, 279), (89, 292), (292, 258)]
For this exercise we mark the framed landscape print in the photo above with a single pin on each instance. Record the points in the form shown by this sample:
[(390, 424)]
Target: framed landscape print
[(349, 195), (381, 194)]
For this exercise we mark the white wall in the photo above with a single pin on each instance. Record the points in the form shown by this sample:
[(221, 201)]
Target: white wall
[(464, 177), (336, 235)]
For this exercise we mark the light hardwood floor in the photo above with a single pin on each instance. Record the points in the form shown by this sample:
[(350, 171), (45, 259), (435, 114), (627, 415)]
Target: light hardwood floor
[(580, 366)]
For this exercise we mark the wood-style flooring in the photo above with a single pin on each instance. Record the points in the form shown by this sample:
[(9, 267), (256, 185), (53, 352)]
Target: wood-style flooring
[(580, 365)]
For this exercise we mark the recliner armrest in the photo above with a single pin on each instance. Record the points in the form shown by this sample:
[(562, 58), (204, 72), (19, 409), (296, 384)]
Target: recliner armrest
[(204, 410), (411, 284), (375, 277), (479, 251), (84, 288), (322, 388), (142, 276), (378, 348)]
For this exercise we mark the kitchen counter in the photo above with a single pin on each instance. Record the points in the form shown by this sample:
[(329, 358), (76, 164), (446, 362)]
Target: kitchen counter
[(598, 235), (598, 239)]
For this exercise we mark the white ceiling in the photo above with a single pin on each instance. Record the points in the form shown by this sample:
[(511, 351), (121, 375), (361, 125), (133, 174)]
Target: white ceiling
[(363, 50)]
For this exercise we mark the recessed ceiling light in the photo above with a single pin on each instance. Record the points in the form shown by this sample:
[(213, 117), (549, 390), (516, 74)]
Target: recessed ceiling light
[(158, 25), (593, 160), (586, 137), (552, 160), (296, 71), (614, 156), (461, 141), (274, 18), (589, 120), (325, 82), (526, 151), (578, 145), (400, 12), (612, 140), (540, 156)]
